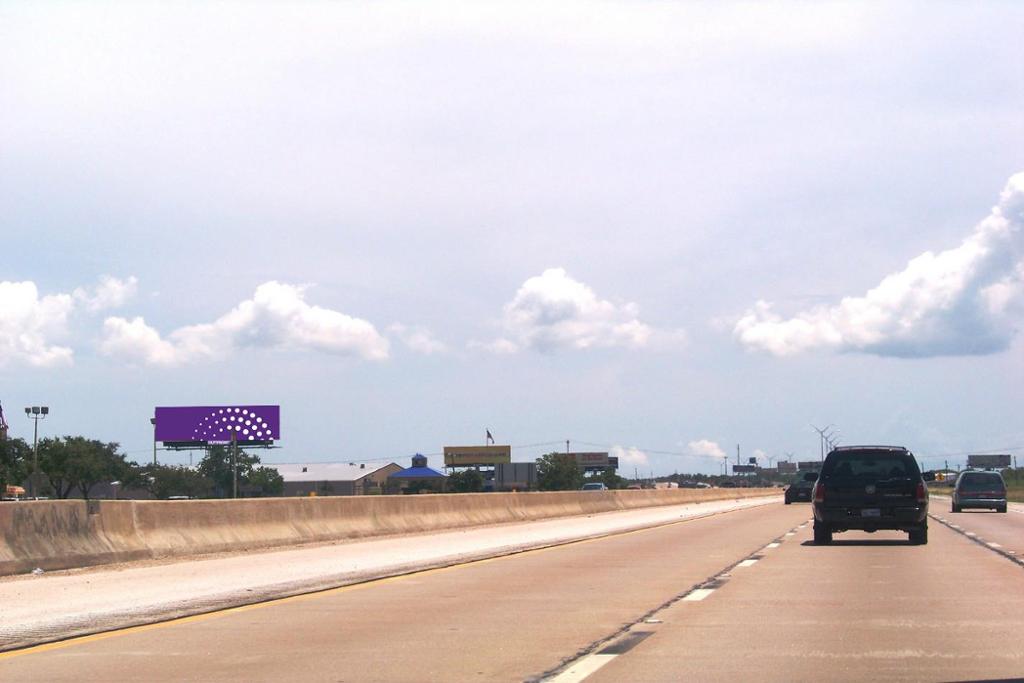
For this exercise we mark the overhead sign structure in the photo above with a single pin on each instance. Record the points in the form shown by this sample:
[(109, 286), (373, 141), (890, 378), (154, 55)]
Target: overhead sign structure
[(809, 465), (218, 424), (468, 456), (993, 461), (786, 467)]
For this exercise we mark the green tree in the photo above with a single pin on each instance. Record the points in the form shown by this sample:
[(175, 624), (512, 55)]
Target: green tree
[(558, 472), (252, 478), (612, 480), (265, 481), (164, 481), (466, 481), (77, 463), (15, 461)]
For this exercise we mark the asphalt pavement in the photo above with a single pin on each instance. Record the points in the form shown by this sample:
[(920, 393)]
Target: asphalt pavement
[(737, 596)]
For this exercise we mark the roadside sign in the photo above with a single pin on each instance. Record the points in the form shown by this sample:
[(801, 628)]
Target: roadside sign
[(994, 461), (467, 456)]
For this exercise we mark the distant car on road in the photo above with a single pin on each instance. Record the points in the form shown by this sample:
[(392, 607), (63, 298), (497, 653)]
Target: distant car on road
[(980, 490), (870, 488), (593, 486), (799, 491)]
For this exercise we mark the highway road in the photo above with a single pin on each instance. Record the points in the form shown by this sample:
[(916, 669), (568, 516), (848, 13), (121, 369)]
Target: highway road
[(736, 596)]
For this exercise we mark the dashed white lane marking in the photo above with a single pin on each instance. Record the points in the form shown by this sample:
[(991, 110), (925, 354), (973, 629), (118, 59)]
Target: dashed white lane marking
[(746, 563), (971, 533), (994, 545), (583, 668), (772, 545), (698, 594), (791, 533)]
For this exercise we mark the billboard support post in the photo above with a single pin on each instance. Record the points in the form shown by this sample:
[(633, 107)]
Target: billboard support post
[(234, 465)]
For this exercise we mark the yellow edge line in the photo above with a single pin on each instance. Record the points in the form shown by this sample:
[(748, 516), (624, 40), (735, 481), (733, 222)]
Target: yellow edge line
[(95, 637)]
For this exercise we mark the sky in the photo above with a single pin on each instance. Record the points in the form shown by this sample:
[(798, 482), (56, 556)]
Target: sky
[(667, 230)]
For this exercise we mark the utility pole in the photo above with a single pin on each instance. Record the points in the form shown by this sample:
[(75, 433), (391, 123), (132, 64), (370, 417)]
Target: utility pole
[(737, 454), (567, 446), (152, 421)]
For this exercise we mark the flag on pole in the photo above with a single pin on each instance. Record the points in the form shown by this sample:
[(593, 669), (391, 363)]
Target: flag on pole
[(490, 439)]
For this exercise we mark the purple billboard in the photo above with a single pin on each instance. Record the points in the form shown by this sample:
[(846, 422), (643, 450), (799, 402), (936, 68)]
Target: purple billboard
[(217, 424)]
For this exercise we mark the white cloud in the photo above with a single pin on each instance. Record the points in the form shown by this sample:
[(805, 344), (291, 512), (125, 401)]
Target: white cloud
[(135, 340), (277, 317), (629, 456), (963, 301), (418, 339), (111, 292), (30, 323), (552, 311), (705, 448)]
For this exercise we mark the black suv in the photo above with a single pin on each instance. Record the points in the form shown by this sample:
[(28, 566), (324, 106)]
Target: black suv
[(799, 491), (871, 488)]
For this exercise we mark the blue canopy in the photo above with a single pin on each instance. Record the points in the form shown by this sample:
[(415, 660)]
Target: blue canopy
[(417, 473)]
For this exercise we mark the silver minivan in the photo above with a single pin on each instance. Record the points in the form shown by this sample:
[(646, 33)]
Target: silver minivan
[(980, 490)]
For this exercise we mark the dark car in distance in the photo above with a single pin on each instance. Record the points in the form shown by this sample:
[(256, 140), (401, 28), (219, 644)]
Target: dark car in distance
[(799, 491), (985, 490), (870, 488)]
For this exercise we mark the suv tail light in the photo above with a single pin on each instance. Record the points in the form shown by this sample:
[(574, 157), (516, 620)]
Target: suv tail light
[(819, 492), (922, 492)]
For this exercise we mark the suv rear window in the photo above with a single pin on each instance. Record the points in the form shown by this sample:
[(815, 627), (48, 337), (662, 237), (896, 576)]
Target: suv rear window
[(870, 465), (978, 481)]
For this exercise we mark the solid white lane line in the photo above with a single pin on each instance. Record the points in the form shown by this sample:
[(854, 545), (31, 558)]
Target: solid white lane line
[(699, 594), (583, 668), (746, 563)]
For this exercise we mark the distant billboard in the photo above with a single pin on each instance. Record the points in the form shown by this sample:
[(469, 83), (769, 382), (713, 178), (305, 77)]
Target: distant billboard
[(751, 460), (809, 465), (468, 456), (515, 475), (744, 468), (786, 467), (595, 460), (994, 461), (217, 424)]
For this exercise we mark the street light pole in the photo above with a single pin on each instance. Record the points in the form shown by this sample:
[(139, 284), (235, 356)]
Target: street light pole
[(35, 413), (152, 421)]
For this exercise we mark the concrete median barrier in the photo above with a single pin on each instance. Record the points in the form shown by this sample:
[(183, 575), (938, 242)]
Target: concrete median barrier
[(65, 534)]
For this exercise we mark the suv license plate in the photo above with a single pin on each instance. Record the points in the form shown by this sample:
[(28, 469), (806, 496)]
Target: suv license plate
[(870, 512)]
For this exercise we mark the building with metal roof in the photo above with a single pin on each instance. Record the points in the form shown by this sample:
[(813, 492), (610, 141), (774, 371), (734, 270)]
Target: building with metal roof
[(334, 478)]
